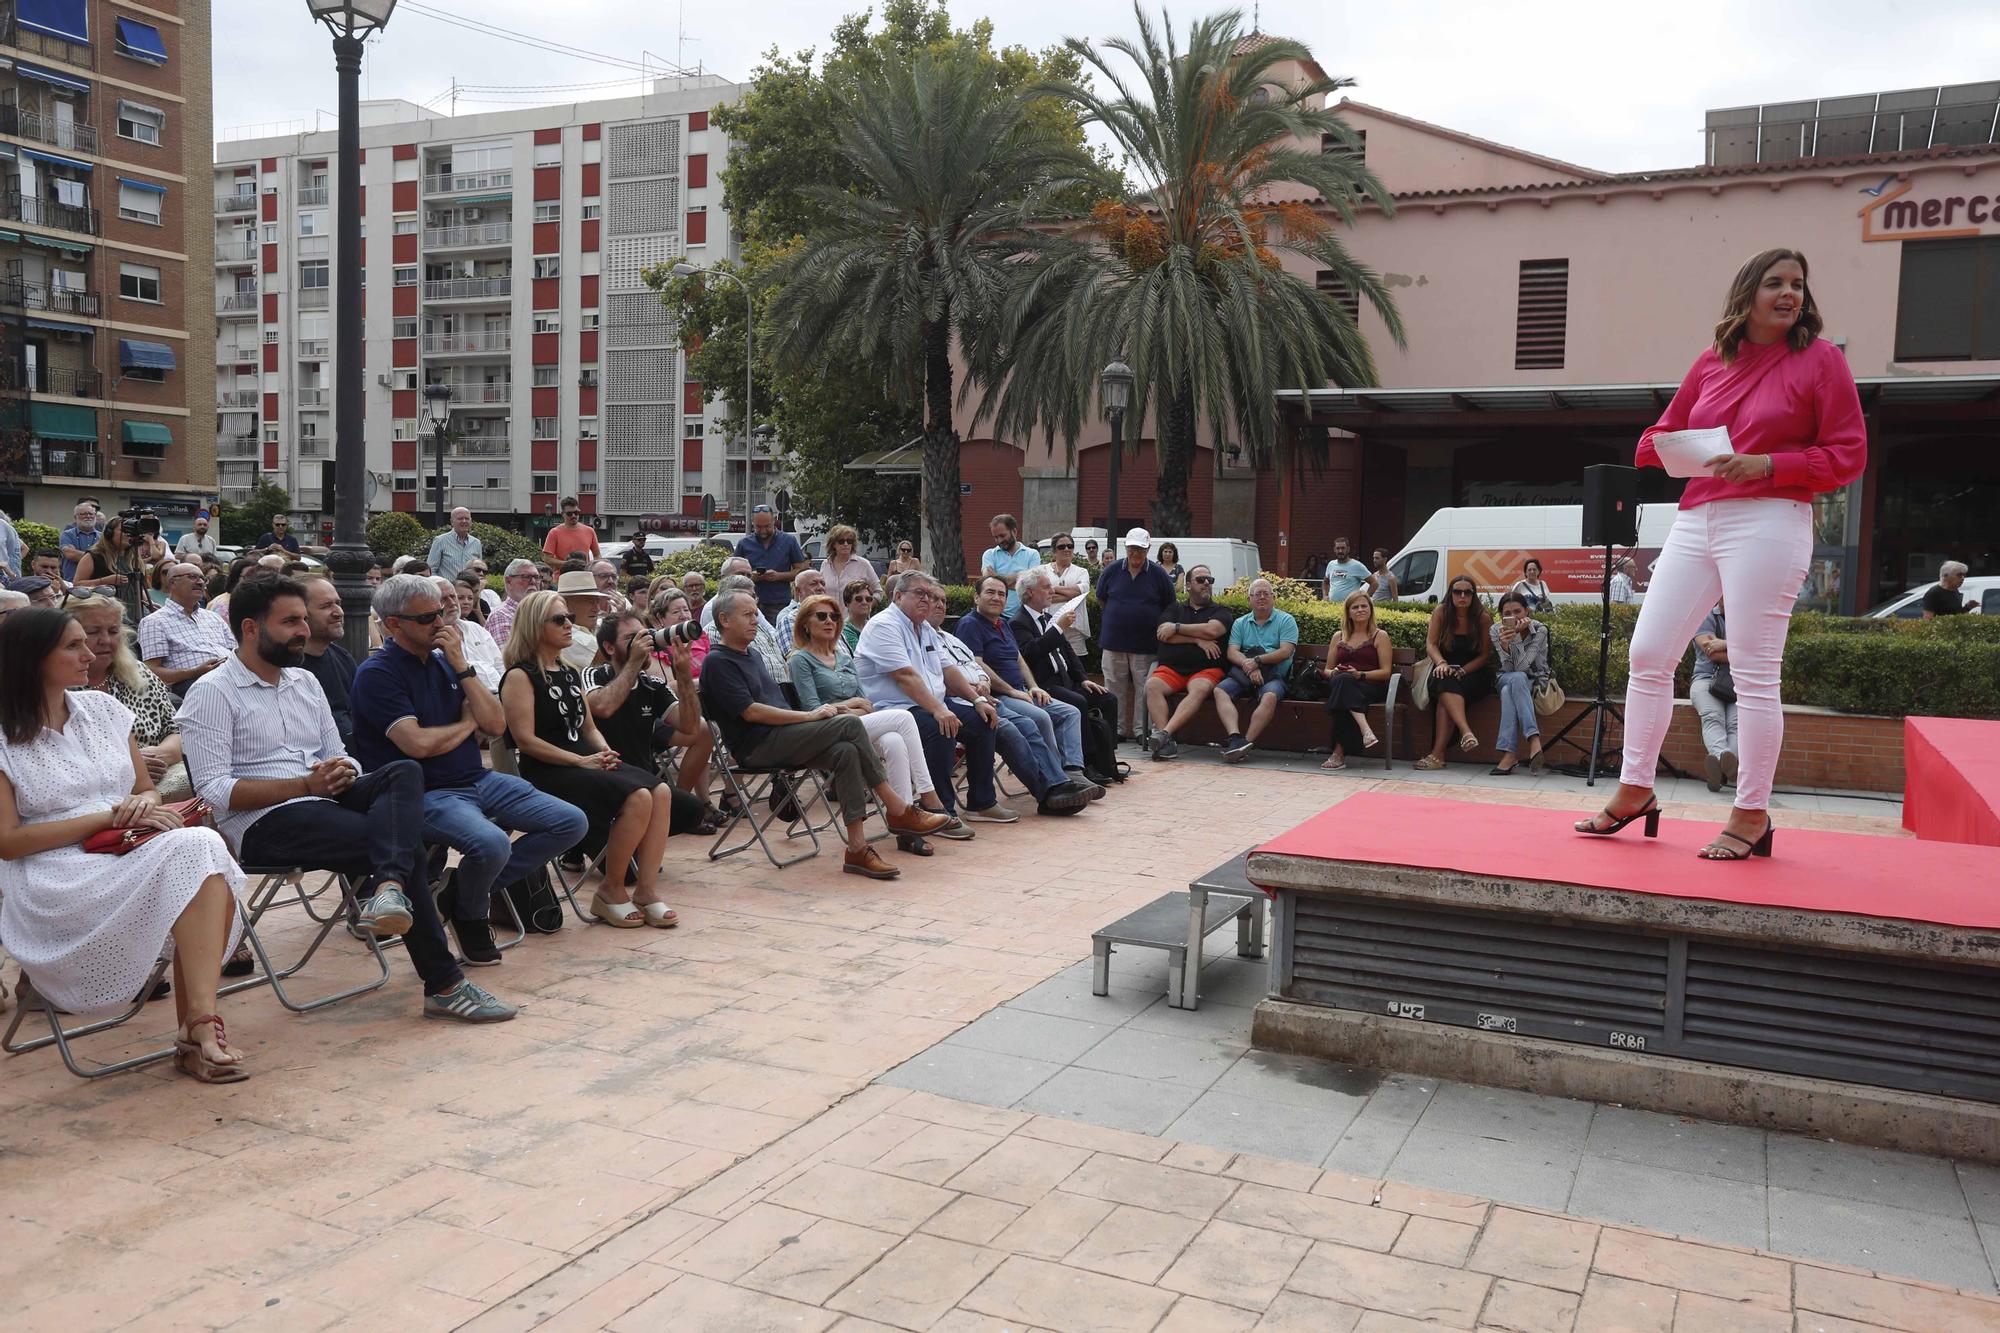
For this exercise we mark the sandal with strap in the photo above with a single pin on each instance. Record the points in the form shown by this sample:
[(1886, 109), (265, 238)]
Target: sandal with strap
[(1650, 812), (622, 915), (196, 1063), (1716, 851)]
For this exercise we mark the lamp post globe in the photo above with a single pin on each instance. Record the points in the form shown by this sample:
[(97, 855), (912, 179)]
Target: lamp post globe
[(1114, 391), (352, 18)]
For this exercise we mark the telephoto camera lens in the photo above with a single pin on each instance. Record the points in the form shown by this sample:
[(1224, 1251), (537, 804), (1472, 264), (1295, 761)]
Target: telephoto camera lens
[(685, 632)]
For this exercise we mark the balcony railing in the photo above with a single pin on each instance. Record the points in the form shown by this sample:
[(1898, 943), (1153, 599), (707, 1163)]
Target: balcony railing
[(64, 460), (315, 298), (48, 129), (454, 344), (312, 196), (236, 303), (235, 252), (41, 296), (237, 354), (243, 201), (237, 495), (315, 448), (468, 289), (40, 43), (40, 212), (471, 447), (487, 428), (238, 446), (312, 349), (475, 394), (459, 181), (61, 381), (227, 400), (312, 397), (478, 233)]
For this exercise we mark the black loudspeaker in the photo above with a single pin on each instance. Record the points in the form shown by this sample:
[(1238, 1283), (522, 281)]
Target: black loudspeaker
[(1610, 505)]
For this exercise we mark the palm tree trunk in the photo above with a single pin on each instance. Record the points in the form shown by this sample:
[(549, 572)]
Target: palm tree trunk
[(1171, 514), (944, 551)]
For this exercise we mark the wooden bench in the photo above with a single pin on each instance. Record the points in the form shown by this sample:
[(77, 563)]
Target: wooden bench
[(1302, 725)]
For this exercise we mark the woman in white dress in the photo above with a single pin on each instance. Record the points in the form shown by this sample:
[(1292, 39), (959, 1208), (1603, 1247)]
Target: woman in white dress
[(88, 927)]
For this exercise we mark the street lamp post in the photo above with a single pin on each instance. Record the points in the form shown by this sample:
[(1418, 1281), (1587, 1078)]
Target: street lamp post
[(687, 270), (1115, 392), (349, 558), (437, 402)]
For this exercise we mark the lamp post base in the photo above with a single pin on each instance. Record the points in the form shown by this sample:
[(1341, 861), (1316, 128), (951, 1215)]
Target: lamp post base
[(349, 563)]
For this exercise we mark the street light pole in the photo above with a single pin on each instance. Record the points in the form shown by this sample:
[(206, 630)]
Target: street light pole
[(349, 558), (437, 401), (1115, 391)]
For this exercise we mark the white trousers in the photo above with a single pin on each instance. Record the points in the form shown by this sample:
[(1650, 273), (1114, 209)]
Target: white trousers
[(1753, 554), (894, 732)]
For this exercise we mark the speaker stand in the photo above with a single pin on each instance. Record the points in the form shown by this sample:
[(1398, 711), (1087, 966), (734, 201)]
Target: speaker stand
[(1600, 707)]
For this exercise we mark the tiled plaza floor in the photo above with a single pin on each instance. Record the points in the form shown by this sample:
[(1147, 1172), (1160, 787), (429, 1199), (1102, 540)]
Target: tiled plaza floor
[(381, 1171)]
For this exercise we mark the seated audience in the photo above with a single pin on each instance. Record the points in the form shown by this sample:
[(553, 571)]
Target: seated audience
[(1521, 652), (734, 565), (822, 672), (419, 698), (89, 927), (901, 665), (1191, 637), (806, 583), (585, 604), (766, 644), (1357, 671), (38, 590), (489, 600), (237, 569), (1261, 647), (1712, 690), (1043, 632), (264, 752), (44, 563), (1033, 756), (117, 671), (181, 641), (642, 716), (858, 598), (671, 608), (1459, 645), (327, 659), (522, 578), (844, 563), (474, 610), (761, 727), (456, 605), (562, 752), (1020, 698), (605, 575)]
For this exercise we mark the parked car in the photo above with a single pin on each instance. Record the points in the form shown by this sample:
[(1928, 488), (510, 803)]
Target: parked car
[(1491, 542), (657, 546), (1983, 591)]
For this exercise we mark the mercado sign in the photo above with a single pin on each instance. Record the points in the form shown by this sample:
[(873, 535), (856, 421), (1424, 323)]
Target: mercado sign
[(1943, 208)]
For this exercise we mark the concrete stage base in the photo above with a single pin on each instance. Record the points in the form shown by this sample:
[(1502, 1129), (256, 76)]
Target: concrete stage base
[(1853, 1113)]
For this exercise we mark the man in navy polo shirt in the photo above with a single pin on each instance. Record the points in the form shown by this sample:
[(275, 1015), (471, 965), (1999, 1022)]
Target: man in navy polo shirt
[(419, 698), (985, 630), (774, 558)]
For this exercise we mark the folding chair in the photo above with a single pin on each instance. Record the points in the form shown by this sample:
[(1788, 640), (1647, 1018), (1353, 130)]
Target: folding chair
[(60, 1037), (751, 785), (284, 886)]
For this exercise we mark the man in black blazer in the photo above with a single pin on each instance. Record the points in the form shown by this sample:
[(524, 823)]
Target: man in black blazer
[(1038, 628)]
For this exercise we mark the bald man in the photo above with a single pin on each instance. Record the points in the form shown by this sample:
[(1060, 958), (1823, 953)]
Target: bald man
[(454, 550)]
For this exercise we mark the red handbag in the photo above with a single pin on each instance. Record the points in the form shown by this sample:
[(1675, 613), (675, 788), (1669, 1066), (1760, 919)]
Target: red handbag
[(196, 813)]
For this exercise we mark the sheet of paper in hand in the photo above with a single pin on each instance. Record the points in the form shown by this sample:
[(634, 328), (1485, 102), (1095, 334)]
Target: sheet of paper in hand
[(1684, 452)]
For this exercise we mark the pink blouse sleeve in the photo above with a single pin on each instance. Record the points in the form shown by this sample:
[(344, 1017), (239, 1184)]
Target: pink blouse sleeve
[(1839, 452), (1676, 415)]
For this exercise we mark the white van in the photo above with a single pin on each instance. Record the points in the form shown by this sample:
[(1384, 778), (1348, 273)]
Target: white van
[(1492, 542), (1226, 557)]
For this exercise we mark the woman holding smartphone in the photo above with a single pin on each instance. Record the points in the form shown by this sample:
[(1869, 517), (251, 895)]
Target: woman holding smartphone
[(1521, 650)]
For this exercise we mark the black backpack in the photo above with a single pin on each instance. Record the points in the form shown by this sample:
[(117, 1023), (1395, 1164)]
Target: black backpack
[(536, 901)]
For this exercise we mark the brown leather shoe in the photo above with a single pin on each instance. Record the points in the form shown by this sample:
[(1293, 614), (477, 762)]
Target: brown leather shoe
[(916, 819), (868, 862)]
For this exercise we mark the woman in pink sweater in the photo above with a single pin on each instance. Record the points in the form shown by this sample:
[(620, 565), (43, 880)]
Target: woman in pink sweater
[(1744, 532)]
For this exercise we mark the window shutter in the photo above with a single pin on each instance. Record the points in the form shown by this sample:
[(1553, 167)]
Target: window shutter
[(1343, 296), (1541, 324)]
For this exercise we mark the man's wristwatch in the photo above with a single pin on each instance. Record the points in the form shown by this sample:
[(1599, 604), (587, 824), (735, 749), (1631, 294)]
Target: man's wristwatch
[(461, 675)]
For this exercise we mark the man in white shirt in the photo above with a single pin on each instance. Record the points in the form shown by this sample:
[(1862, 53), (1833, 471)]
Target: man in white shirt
[(1621, 581), (482, 654), (262, 749), (806, 583), (452, 551), (199, 543), (181, 641)]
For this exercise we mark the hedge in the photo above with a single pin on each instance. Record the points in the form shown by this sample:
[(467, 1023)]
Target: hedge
[(1892, 668), (36, 536)]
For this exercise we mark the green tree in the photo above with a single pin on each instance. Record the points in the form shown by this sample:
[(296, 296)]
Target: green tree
[(915, 257), (1181, 271), (395, 533), (245, 523)]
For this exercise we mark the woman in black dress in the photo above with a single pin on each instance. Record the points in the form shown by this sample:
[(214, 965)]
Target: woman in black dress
[(1460, 648), (563, 754)]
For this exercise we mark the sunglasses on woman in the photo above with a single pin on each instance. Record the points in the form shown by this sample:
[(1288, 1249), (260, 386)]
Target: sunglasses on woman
[(563, 619), (1461, 592), (1065, 546), (824, 615)]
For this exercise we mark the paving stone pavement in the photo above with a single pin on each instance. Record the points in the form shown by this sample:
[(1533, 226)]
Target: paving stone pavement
[(661, 1086)]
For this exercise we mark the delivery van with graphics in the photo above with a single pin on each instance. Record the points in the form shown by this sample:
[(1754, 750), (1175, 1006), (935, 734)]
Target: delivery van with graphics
[(1492, 543)]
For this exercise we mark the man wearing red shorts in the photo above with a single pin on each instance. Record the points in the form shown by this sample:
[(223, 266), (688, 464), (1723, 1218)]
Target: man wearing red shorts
[(1192, 659)]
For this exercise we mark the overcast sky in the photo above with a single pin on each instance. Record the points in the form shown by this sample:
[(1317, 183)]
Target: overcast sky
[(1619, 87)]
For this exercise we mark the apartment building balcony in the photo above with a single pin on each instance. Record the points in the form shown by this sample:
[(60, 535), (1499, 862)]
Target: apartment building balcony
[(237, 354), (469, 289), (736, 449), (468, 446), (315, 298), (315, 448), (242, 201), (41, 43), (485, 428), (39, 212), (464, 182), (236, 252), (67, 460), (480, 393), (40, 296), (236, 400), (59, 381), (312, 196), (316, 398), (480, 499), (477, 343), (236, 305), (473, 236), (50, 130), (313, 349), (238, 446), (237, 495)]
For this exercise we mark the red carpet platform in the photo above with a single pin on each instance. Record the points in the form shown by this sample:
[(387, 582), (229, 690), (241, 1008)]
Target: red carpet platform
[(1813, 871), (1952, 791)]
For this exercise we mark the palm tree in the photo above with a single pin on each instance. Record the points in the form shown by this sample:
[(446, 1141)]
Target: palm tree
[(1181, 271), (952, 170)]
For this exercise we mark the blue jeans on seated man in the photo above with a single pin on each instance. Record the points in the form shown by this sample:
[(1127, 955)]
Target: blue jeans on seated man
[(477, 819), (1033, 760), (941, 753), (1059, 724), (1517, 711)]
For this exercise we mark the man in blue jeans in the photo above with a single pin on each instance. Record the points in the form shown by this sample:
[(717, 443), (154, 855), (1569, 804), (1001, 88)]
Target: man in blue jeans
[(419, 698)]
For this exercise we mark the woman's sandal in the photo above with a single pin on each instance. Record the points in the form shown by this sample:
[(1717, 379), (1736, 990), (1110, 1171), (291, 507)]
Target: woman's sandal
[(1370, 742), (1650, 811), (658, 914), (195, 1062), (622, 915), (1467, 741), (1538, 761), (1429, 763), (1716, 851), (1333, 765)]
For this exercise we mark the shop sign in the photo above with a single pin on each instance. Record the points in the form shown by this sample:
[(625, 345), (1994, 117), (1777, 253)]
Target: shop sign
[(1940, 209)]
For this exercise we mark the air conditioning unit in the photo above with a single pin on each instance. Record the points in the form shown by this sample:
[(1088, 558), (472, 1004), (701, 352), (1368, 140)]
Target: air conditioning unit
[(474, 214)]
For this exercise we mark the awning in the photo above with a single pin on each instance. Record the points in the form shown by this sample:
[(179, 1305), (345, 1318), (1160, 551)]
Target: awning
[(27, 71), (502, 198), (141, 40), (144, 355), (905, 460), (13, 237), (125, 107), (147, 186), (1638, 398), (59, 326), (67, 19), (59, 421), (51, 243), (146, 432), (56, 161)]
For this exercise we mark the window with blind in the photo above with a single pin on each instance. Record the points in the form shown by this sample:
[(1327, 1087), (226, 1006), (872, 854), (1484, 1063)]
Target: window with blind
[(1541, 320), (1343, 296), (1948, 304)]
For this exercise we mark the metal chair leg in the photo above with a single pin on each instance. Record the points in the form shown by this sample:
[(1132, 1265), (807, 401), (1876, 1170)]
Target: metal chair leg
[(61, 1037), (262, 900)]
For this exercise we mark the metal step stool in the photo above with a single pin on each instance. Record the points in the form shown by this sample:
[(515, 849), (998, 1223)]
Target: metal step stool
[(1178, 922)]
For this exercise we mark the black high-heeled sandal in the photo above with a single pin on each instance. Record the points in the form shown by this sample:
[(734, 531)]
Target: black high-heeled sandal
[(1650, 811), (1715, 851)]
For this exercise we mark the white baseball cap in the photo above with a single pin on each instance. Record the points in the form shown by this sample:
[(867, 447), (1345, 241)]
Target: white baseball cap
[(1139, 537)]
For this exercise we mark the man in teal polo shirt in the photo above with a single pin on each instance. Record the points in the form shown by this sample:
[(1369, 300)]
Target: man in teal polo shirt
[(1008, 559), (1261, 646)]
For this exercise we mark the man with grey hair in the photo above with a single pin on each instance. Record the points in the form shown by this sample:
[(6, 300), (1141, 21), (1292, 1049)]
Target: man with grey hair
[(1944, 599), (808, 582), (523, 577), (695, 584), (734, 565), (605, 575), (765, 645), (11, 601), (454, 550), (480, 649), (182, 641)]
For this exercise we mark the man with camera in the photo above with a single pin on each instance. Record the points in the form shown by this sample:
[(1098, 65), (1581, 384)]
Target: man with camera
[(639, 713)]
